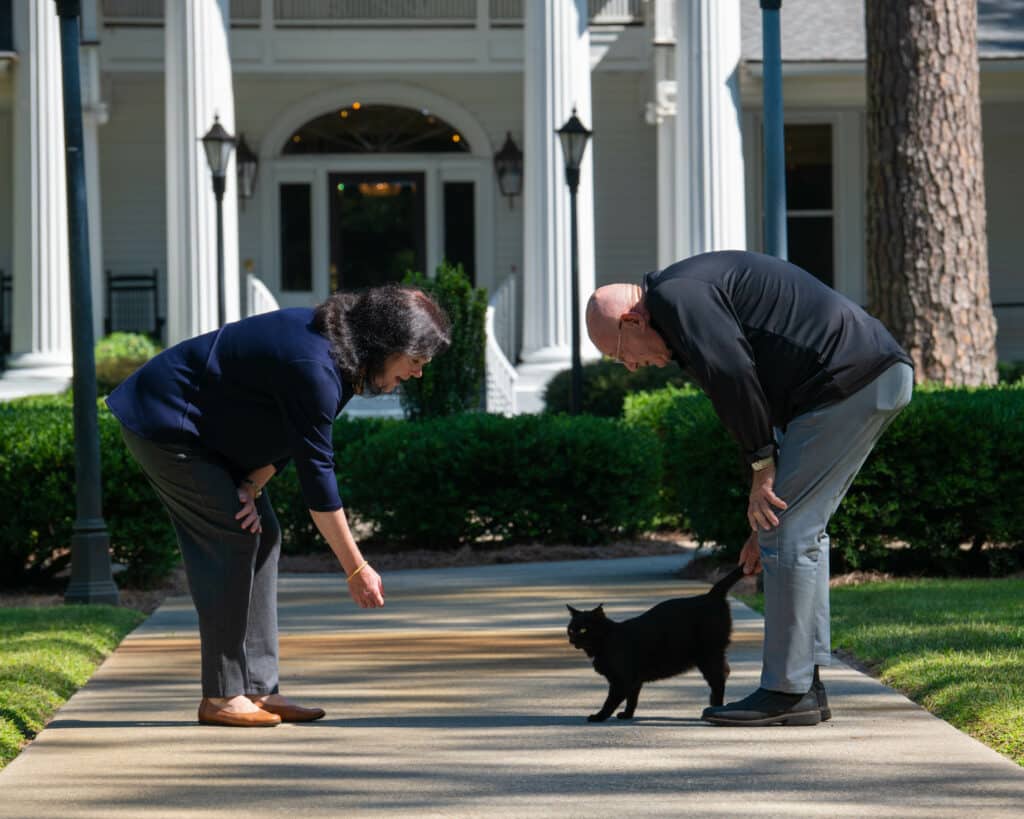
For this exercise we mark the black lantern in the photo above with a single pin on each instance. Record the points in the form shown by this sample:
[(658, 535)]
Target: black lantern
[(574, 137), (508, 164), (247, 162), (218, 144)]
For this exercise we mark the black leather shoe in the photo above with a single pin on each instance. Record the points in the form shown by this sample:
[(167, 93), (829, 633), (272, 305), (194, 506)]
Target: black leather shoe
[(765, 707), (819, 691)]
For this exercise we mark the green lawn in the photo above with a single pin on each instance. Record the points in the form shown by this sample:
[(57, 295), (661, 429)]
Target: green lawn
[(954, 646), (46, 654)]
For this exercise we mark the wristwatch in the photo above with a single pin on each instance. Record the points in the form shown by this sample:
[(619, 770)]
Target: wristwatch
[(254, 486), (764, 463)]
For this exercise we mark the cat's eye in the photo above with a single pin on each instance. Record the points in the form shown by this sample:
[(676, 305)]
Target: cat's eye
[(582, 630)]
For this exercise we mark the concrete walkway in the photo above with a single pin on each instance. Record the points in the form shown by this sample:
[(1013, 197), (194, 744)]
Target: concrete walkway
[(462, 698)]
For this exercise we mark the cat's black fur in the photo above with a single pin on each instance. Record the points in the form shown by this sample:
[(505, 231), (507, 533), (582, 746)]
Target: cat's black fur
[(664, 641)]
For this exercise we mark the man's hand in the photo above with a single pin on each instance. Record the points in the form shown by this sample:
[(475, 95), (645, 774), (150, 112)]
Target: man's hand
[(247, 514), (760, 513), (750, 555), (367, 589)]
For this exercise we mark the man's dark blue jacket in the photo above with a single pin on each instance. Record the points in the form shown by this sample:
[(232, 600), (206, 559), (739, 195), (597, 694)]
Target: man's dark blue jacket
[(256, 392)]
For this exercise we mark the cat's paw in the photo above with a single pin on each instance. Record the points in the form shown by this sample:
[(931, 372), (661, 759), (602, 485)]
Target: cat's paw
[(597, 718), (625, 715)]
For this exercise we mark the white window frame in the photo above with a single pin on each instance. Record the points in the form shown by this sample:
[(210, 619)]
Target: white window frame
[(848, 191)]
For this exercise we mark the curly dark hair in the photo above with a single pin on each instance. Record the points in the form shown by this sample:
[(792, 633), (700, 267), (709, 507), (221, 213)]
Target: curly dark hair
[(366, 327)]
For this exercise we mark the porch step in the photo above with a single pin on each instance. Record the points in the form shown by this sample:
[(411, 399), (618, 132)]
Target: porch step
[(530, 385), (381, 406)]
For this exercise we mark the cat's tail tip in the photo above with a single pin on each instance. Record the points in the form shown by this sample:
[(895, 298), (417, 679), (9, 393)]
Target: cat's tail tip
[(722, 586)]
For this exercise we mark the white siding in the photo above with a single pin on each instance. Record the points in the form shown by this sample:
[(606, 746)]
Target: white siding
[(1003, 134), (625, 182), (133, 179)]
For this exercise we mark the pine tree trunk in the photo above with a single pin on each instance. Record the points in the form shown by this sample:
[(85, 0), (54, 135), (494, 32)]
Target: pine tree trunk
[(927, 250)]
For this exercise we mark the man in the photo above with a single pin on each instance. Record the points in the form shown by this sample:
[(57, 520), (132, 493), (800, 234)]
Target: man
[(806, 382)]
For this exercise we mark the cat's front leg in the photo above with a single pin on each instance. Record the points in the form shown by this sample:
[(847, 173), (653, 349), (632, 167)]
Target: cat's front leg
[(631, 701), (616, 694)]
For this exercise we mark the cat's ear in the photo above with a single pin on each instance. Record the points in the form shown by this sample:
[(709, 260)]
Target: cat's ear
[(572, 611), (599, 609)]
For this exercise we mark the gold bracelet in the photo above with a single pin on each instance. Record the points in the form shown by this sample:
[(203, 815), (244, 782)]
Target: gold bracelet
[(252, 483), (362, 566)]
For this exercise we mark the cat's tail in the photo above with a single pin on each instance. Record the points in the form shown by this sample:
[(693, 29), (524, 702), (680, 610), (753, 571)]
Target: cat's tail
[(722, 586)]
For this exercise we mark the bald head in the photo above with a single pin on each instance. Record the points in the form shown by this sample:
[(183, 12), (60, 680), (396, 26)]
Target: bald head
[(606, 306)]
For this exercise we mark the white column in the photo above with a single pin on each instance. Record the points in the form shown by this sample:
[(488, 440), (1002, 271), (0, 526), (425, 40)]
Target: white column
[(709, 209), (198, 86), (41, 318), (94, 114), (557, 78), (661, 113)]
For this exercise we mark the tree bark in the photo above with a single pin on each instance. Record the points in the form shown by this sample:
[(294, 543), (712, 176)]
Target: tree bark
[(927, 250)]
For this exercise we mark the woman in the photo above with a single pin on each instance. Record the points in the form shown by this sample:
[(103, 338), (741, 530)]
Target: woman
[(212, 419)]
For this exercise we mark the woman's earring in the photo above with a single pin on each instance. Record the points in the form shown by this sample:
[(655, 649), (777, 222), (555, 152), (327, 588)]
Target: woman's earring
[(358, 386)]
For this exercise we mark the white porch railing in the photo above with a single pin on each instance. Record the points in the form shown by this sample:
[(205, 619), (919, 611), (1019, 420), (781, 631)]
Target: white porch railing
[(363, 12), (258, 298), (399, 13), (602, 12), (502, 340)]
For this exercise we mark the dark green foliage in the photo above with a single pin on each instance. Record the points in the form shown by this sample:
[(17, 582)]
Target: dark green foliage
[(299, 533), (453, 382), (705, 480), (528, 478), (119, 355), (948, 472), (37, 482), (606, 384), (1010, 372)]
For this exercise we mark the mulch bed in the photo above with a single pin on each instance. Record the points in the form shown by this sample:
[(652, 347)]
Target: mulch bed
[(388, 559)]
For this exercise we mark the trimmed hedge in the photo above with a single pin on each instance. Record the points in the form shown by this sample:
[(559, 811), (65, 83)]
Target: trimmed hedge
[(427, 484), (606, 384), (119, 355), (527, 478), (944, 481), (37, 482), (299, 533)]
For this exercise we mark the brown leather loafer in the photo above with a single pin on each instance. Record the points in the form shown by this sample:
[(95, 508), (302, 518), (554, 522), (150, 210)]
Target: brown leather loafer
[(292, 712), (210, 714)]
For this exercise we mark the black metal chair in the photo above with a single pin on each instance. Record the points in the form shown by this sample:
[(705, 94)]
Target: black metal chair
[(133, 305)]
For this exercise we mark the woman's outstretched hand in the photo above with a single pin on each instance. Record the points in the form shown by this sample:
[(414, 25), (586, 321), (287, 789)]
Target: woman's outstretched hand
[(366, 588)]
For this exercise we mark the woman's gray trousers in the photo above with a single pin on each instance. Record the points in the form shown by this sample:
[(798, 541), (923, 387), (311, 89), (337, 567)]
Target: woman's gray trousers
[(232, 573)]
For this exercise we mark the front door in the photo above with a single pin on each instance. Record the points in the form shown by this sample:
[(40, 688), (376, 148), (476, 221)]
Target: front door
[(377, 228)]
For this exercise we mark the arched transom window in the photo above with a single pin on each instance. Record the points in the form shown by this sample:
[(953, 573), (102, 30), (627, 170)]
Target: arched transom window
[(376, 129)]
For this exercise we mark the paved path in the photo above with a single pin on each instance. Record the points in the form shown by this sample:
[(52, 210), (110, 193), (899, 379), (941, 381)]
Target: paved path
[(463, 698)]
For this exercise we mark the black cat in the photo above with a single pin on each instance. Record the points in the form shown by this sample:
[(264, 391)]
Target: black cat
[(664, 641)]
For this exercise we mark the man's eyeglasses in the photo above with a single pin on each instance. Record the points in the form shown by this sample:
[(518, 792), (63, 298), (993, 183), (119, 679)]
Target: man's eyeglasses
[(618, 346)]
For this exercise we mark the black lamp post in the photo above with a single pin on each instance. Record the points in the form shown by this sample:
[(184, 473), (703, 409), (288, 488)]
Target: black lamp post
[(247, 162), (508, 165), (91, 577), (219, 144), (574, 136), (775, 239)]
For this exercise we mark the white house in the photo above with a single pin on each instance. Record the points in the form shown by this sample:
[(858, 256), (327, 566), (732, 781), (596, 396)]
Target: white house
[(375, 124)]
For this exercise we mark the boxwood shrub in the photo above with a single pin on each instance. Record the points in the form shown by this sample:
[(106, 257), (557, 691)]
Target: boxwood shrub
[(606, 384), (941, 487), (119, 355), (37, 482), (544, 478)]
